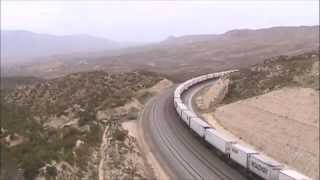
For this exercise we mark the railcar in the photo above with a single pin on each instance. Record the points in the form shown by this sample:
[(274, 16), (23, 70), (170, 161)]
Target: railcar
[(264, 167), (180, 108), (218, 140), (187, 115), (241, 154), (198, 126)]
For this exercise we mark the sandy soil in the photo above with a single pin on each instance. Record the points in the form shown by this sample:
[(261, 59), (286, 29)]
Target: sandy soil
[(131, 127), (283, 124)]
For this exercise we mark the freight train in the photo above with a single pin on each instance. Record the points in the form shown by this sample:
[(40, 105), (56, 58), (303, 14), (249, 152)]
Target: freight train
[(246, 157)]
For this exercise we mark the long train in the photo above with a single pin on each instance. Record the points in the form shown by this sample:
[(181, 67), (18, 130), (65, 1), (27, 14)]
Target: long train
[(246, 157)]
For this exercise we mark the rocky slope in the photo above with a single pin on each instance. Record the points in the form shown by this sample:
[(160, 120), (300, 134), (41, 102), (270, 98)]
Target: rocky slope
[(54, 129)]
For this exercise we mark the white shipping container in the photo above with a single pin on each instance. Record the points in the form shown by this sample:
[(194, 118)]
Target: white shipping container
[(187, 115), (288, 174), (198, 125), (241, 154), (180, 107), (183, 106), (176, 105), (207, 76), (202, 78), (219, 140), (264, 166), (190, 115), (185, 86), (177, 100), (184, 117), (177, 93), (192, 82)]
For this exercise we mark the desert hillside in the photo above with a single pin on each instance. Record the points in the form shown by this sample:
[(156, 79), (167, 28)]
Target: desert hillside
[(274, 106), (180, 58), (55, 128), (274, 73)]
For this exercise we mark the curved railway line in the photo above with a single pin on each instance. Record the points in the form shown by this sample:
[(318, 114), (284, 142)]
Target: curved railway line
[(179, 150)]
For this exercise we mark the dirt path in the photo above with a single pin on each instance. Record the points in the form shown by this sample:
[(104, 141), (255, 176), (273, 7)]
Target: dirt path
[(102, 155)]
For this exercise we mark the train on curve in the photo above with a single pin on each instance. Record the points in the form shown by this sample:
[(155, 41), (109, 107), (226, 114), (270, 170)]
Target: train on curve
[(246, 157)]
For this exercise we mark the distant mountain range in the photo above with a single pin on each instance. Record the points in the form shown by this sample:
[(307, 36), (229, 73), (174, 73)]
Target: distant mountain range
[(21, 45), (181, 58)]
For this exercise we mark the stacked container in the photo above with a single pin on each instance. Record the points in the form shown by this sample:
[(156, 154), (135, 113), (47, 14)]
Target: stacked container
[(241, 154), (187, 115), (219, 140), (198, 126), (264, 167)]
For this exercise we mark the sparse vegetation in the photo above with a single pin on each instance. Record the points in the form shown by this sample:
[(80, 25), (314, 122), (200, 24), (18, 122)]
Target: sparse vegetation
[(32, 112), (144, 96), (274, 73), (11, 82)]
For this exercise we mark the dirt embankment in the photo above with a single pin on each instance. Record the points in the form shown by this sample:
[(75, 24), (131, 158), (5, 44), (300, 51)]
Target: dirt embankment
[(284, 124), (213, 95)]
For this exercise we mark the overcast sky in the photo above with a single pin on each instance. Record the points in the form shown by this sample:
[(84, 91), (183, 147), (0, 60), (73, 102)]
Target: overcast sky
[(155, 20)]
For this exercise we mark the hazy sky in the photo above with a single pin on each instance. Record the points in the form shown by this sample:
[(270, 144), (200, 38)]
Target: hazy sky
[(155, 20)]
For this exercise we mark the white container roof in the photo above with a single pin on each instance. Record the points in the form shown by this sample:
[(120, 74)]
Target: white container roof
[(190, 113), (201, 122), (294, 174), (245, 149), (267, 160), (222, 135), (182, 106)]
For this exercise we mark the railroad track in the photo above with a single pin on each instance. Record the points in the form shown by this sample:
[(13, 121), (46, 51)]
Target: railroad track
[(172, 148), (178, 150), (187, 142)]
